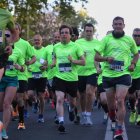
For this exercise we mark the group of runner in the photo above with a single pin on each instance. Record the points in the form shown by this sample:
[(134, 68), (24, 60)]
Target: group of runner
[(70, 67)]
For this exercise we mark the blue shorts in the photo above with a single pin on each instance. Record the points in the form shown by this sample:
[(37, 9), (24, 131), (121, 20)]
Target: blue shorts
[(112, 82), (7, 81)]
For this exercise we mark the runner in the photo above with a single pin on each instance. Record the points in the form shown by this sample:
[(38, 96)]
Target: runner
[(87, 74), (67, 56), (134, 90), (117, 49), (37, 75), (8, 86), (6, 21), (29, 57)]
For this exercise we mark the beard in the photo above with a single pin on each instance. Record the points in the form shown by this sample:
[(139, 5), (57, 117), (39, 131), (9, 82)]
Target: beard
[(118, 34)]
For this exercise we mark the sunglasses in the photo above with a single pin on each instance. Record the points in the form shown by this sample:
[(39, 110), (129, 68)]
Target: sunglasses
[(134, 35), (7, 35)]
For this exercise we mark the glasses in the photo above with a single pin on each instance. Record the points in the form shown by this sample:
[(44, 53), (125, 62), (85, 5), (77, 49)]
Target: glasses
[(134, 35), (64, 33), (7, 35)]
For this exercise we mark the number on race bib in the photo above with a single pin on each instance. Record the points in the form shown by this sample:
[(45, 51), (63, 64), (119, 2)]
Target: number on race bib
[(117, 65), (36, 75), (10, 65), (65, 67)]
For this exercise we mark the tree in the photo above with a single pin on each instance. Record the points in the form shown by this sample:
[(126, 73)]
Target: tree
[(30, 13)]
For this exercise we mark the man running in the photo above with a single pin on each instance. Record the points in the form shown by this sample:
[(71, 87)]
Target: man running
[(117, 49)]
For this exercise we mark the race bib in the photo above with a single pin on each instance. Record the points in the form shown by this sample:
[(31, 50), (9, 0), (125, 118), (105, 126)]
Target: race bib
[(10, 65), (117, 65), (1, 37), (65, 67), (36, 75)]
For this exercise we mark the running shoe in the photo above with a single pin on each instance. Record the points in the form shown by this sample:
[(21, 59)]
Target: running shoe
[(118, 134), (21, 126), (4, 134), (132, 117)]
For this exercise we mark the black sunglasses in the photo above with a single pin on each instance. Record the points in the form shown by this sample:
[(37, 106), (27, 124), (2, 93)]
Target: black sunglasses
[(134, 35), (7, 35)]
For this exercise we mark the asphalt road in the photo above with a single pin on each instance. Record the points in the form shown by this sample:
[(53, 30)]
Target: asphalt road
[(48, 130)]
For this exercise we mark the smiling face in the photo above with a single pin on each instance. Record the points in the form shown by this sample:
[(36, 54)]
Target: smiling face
[(37, 41)]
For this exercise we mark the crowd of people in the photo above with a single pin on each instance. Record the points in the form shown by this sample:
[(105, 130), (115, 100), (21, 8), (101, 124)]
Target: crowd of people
[(78, 69)]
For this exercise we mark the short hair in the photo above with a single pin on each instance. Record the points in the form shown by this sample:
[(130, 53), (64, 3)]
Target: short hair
[(65, 26), (136, 29), (19, 27), (89, 25), (75, 31), (118, 18)]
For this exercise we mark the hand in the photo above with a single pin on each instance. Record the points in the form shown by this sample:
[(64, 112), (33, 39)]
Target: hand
[(109, 59), (17, 67), (131, 67), (52, 65), (28, 62), (70, 59), (43, 68), (8, 50)]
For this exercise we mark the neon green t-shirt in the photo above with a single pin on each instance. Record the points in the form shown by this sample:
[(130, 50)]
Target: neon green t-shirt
[(50, 71), (88, 48), (136, 73), (34, 69), (99, 81), (15, 58), (121, 49), (6, 21), (64, 69), (27, 52)]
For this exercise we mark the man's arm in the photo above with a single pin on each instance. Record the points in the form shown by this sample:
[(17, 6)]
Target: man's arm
[(81, 61), (100, 58), (134, 62)]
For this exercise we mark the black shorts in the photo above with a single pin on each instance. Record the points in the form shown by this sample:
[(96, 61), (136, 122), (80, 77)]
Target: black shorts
[(100, 88), (69, 87), (37, 84), (84, 80), (3, 60), (111, 82), (23, 86), (135, 86)]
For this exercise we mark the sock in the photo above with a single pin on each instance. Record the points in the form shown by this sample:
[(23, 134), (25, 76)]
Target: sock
[(14, 104), (119, 126), (88, 113), (112, 115), (21, 114), (105, 107), (61, 119)]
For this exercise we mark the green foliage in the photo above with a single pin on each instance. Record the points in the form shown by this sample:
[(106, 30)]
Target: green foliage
[(39, 16)]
